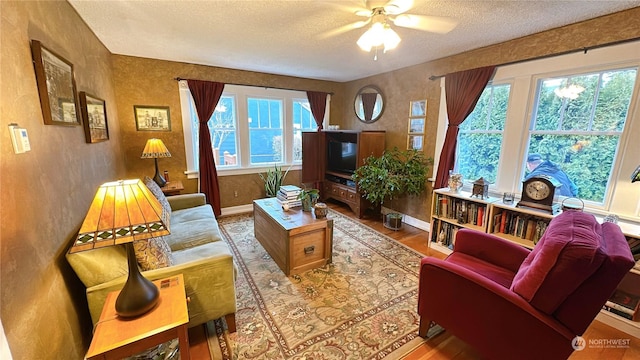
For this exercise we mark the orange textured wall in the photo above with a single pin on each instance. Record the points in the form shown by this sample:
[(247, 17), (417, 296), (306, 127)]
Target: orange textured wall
[(46, 192)]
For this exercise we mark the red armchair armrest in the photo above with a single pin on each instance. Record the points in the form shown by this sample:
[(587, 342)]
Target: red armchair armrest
[(491, 249)]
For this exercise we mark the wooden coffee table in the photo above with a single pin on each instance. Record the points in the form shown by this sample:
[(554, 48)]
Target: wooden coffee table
[(295, 239), (115, 337)]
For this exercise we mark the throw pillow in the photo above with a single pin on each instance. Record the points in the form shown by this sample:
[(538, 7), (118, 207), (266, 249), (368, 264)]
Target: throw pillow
[(157, 192), (153, 253)]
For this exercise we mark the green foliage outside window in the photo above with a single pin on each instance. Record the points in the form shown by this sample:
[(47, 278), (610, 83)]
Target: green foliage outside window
[(582, 135)]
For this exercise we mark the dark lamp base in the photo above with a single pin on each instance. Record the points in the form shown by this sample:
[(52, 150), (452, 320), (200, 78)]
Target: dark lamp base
[(139, 295), (159, 179)]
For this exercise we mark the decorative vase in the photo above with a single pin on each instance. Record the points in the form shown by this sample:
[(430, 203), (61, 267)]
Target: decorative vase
[(320, 209), (455, 182)]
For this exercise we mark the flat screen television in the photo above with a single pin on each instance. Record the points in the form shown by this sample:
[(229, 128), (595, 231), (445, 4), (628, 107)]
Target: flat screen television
[(341, 156)]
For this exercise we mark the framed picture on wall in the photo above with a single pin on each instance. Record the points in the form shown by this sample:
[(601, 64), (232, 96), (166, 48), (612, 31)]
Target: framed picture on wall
[(415, 142), (416, 125), (418, 108), (94, 118), (56, 86), (152, 118)]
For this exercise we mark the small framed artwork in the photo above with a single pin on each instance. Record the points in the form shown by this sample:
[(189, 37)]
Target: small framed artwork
[(152, 118), (56, 86), (418, 108), (415, 142), (94, 118), (416, 125)]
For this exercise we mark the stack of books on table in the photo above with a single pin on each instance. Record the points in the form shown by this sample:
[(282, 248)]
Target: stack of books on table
[(288, 194)]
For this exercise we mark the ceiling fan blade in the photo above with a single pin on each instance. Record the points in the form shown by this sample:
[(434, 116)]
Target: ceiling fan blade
[(436, 24), (363, 13), (395, 7), (343, 29)]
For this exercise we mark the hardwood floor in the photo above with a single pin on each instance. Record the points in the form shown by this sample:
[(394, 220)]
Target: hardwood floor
[(445, 345)]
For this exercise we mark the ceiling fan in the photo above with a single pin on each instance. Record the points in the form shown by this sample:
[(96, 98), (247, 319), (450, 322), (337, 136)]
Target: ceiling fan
[(380, 13)]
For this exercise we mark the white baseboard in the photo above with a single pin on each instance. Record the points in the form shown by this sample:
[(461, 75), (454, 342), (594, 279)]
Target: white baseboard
[(233, 210)]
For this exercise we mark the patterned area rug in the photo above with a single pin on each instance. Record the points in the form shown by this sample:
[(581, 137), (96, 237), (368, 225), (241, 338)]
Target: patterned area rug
[(362, 306)]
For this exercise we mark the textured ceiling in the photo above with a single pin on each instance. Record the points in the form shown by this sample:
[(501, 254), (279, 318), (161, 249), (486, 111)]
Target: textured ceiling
[(309, 38)]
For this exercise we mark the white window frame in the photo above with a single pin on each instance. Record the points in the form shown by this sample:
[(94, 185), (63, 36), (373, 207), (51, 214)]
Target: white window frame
[(241, 94), (623, 197)]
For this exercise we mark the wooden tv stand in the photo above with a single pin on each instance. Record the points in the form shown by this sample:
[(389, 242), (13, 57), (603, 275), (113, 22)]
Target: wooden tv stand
[(337, 185)]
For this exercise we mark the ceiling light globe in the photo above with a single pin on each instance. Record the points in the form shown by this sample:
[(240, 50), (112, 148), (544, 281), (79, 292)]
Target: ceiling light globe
[(390, 39)]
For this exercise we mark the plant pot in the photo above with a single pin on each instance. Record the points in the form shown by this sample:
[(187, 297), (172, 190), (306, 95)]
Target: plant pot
[(308, 202), (393, 221)]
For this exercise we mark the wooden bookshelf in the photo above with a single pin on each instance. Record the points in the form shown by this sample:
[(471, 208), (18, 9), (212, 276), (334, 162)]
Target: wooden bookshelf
[(451, 211), (520, 225)]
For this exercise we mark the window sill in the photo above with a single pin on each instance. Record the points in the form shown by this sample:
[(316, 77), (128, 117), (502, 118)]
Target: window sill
[(243, 171)]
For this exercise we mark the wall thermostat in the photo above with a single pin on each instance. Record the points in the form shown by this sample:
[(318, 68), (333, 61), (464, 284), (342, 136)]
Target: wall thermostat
[(19, 139)]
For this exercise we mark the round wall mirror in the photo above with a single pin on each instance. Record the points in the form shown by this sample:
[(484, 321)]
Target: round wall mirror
[(369, 104)]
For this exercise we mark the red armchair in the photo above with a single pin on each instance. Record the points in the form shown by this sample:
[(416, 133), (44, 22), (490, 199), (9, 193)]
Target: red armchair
[(512, 303)]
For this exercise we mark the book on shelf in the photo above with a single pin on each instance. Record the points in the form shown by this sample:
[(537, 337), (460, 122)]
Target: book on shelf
[(480, 215), (624, 304)]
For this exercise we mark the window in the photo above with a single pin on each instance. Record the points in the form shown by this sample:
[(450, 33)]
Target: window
[(580, 111), (576, 128), (265, 130), (270, 134), (480, 136)]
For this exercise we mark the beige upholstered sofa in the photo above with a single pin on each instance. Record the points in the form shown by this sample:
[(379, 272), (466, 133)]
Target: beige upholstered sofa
[(197, 251)]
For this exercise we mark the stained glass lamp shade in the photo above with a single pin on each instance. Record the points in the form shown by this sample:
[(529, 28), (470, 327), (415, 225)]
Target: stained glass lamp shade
[(122, 212), (155, 149), (636, 175)]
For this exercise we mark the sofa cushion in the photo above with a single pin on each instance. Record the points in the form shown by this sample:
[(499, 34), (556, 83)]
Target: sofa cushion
[(101, 265), (153, 253), (568, 253), (157, 192), (193, 227)]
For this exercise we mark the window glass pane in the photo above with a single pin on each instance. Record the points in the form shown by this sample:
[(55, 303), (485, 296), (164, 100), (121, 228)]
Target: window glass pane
[(577, 143), (480, 136), (223, 129), (478, 156), (265, 130), (613, 100), (302, 121)]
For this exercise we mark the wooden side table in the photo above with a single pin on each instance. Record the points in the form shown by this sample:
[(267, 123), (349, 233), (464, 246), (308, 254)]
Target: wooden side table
[(115, 337), (172, 188)]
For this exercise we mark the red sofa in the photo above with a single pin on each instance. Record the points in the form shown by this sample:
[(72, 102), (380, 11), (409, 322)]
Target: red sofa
[(512, 303)]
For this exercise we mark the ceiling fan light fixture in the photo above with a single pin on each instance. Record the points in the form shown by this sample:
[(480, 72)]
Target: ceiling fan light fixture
[(379, 34), (390, 39)]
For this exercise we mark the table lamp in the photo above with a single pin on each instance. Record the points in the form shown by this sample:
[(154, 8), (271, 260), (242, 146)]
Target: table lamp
[(122, 212), (155, 149)]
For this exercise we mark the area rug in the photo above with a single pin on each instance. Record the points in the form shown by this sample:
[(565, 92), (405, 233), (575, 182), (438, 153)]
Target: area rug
[(361, 306)]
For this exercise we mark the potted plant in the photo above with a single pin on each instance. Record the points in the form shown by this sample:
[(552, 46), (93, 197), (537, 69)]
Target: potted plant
[(393, 174), (308, 197), (273, 180)]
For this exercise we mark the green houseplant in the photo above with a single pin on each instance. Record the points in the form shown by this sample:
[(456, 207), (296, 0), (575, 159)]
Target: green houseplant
[(395, 173), (273, 180), (308, 198)]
